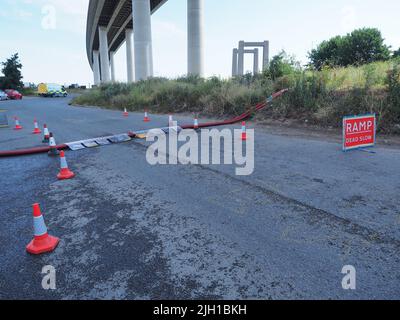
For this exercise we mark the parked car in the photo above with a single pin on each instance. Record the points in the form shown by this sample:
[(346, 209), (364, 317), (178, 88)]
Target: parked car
[(14, 94), (3, 95)]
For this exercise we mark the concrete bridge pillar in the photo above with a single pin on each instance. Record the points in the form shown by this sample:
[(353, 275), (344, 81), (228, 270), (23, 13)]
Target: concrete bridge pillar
[(96, 68), (129, 55), (195, 38), (266, 55), (256, 68), (112, 66), (241, 59), (142, 39), (235, 62), (104, 57)]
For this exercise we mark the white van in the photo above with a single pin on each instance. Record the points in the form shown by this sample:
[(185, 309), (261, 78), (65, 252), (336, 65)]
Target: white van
[(51, 90)]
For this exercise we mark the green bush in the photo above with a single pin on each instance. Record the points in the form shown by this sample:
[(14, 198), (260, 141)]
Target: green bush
[(28, 91), (393, 99), (307, 92), (359, 47), (282, 65)]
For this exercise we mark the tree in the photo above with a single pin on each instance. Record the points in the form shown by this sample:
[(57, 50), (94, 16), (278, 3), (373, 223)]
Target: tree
[(359, 47), (364, 46), (281, 65), (12, 73), (396, 53), (327, 53)]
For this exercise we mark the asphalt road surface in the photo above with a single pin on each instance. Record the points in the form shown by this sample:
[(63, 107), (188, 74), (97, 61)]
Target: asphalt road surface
[(130, 230)]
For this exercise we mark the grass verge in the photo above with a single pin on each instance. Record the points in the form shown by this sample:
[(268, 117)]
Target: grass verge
[(319, 98)]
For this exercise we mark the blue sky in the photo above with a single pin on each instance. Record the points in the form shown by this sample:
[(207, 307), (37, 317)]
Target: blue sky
[(59, 55)]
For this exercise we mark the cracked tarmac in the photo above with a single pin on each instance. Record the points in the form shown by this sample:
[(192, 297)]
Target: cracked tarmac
[(133, 231)]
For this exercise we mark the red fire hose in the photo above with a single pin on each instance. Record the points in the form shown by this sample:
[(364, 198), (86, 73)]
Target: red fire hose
[(244, 116)]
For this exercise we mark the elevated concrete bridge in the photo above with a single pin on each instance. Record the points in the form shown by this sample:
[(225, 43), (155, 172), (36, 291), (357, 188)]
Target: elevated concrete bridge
[(110, 23)]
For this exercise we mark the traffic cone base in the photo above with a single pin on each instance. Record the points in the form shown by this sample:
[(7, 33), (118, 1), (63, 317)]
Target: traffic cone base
[(53, 152), (65, 174), (18, 128), (46, 244)]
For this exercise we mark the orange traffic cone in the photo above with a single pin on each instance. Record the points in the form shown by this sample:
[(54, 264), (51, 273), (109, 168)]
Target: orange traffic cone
[(46, 138), (65, 173), (53, 147), (42, 241), (126, 114), (196, 123), (17, 124), (244, 133), (36, 130), (146, 117)]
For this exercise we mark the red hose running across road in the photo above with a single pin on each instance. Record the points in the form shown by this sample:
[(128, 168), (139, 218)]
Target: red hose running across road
[(244, 116)]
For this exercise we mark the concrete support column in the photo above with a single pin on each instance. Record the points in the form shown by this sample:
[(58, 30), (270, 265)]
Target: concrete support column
[(241, 58), (96, 68), (143, 39), (104, 57), (112, 66), (195, 37), (129, 55), (235, 62), (255, 63), (266, 55)]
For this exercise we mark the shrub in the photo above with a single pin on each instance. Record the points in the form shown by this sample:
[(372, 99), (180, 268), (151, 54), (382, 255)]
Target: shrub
[(393, 99), (359, 47), (307, 91), (282, 65)]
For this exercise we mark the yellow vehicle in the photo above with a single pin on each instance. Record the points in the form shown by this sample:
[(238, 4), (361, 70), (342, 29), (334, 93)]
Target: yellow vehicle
[(51, 90)]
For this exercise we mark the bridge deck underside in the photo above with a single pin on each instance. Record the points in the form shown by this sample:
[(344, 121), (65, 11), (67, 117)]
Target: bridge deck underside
[(122, 21)]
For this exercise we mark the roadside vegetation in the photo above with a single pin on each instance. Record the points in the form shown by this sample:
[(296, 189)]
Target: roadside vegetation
[(321, 93)]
